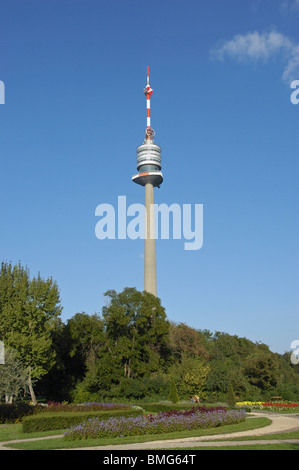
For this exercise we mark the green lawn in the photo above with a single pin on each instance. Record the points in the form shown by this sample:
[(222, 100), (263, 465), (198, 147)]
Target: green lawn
[(14, 431)]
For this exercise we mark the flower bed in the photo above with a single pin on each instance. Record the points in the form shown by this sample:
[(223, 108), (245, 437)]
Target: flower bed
[(281, 405), (269, 406), (120, 427)]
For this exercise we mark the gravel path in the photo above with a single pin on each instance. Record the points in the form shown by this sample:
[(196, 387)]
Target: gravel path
[(280, 424)]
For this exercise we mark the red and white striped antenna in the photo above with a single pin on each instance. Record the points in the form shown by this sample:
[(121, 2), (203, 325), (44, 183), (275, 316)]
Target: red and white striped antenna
[(148, 91)]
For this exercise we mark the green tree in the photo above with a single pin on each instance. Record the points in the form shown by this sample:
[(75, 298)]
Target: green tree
[(190, 375), (13, 376), (262, 369), (131, 344), (137, 332), (85, 336), (231, 395), (28, 309), (173, 393)]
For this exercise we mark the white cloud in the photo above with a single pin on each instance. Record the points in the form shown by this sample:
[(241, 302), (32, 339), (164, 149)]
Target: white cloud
[(291, 71), (262, 47), (290, 5)]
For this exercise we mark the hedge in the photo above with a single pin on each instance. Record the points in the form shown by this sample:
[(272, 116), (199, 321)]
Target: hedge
[(155, 407), (11, 413), (63, 420)]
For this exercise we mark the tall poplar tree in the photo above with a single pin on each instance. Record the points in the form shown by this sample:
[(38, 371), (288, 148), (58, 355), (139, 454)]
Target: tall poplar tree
[(28, 309)]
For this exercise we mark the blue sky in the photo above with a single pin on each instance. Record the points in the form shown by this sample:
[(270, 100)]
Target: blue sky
[(74, 113)]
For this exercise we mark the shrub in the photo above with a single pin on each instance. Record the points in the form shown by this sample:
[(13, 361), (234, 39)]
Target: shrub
[(231, 396), (64, 419), (11, 413), (156, 407), (89, 406), (173, 393), (191, 411)]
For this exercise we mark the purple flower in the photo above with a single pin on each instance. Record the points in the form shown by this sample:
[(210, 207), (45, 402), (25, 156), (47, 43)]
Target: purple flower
[(116, 427)]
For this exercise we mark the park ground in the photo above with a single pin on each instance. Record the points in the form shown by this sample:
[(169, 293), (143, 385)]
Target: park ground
[(260, 431)]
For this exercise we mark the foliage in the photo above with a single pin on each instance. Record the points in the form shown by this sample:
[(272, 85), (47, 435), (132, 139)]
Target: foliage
[(112, 368), (65, 419), (262, 369), (231, 396), (28, 309), (12, 413), (90, 406), (173, 393), (137, 332), (164, 407), (130, 351), (13, 376)]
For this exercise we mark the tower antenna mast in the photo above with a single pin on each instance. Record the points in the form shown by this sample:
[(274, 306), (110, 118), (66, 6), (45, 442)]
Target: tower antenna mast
[(148, 91)]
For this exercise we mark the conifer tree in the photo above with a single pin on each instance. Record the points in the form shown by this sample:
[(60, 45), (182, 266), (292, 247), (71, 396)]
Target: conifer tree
[(173, 393), (231, 395)]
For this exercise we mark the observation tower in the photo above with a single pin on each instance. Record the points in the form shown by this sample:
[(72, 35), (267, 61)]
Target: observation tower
[(150, 176)]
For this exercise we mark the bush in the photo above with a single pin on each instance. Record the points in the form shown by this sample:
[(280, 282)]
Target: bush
[(156, 407), (14, 412), (191, 411), (86, 407), (64, 419), (231, 396), (173, 393)]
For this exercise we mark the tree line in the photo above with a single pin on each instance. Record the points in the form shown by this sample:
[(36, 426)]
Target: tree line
[(130, 351)]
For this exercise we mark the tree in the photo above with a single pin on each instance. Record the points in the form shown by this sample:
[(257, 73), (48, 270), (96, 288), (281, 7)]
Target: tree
[(13, 376), (231, 395), (28, 309), (137, 331), (190, 375), (85, 336), (187, 340), (262, 369), (173, 393)]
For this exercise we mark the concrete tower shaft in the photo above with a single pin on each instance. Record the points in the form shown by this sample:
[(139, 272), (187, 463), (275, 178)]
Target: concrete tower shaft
[(150, 272), (150, 175)]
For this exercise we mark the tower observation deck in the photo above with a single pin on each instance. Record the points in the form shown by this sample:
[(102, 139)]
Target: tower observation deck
[(148, 154), (150, 176)]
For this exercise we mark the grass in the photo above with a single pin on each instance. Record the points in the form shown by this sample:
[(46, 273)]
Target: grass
[(59, 443), (14, 431)]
